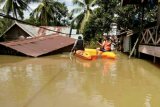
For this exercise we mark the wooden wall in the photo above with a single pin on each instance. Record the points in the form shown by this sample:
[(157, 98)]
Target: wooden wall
[(150, 42)]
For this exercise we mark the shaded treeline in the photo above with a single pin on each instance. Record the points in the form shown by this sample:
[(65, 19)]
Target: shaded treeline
[(90, 17)]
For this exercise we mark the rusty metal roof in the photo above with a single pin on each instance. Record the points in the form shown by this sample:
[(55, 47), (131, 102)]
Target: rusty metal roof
[(63, 29), (39, 45)]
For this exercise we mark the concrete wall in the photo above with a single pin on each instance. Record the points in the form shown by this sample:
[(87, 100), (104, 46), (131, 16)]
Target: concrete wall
[(126, 44)]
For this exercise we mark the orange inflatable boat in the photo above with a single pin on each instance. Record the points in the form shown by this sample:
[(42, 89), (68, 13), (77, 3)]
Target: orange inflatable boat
[(90, 54)]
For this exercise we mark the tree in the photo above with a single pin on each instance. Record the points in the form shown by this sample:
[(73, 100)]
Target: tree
[(50, 12), (84, 10), (100, 21), (15, 7), (130, 17), (33, 21), (4, 24)]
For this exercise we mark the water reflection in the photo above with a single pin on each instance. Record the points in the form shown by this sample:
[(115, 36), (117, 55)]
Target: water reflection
[(148, 101), (4, 73), (58, 81)]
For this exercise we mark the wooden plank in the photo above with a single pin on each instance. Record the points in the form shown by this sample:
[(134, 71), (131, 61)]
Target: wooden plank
[(156, 38), (146, 49), (147, 37), (157, 51), (150, 37), (143, 37), (134, 47), (150, 50), (158, 42)]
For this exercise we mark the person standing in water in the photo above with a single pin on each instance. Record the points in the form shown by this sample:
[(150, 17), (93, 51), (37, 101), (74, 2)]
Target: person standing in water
[(78, 46)]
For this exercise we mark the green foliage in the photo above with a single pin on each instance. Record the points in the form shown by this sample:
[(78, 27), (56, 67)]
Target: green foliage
[(84, 12), (33, 21), (128, 17), (15, 7), (131, 16), (50, 12), (91, 44), (100, 20), (4, 25)]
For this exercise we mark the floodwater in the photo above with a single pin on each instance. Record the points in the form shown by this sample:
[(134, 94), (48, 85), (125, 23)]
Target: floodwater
[(58, 81)]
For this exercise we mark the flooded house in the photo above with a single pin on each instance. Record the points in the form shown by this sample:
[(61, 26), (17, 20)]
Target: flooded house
[(23, 31), (23, 39)]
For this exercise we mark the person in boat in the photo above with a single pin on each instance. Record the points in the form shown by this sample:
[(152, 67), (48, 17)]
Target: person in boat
[(105, 45), (78, 47)]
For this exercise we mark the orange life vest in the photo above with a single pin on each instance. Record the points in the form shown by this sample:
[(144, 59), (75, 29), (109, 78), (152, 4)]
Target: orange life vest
[(107, 46)]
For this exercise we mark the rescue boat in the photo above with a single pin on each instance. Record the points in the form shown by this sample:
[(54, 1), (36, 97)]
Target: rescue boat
[(90, 54)]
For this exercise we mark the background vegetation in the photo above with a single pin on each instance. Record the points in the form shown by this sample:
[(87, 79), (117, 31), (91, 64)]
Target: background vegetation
[(93, 17)]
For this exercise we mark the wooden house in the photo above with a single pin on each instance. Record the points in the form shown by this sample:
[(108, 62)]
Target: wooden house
[(23, 31), (22, 39)]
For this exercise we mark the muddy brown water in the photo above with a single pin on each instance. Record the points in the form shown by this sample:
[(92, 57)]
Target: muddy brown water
[(57, 81)]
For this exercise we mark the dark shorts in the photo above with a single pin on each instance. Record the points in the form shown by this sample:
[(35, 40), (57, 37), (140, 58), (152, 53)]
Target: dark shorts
[(103, 50)]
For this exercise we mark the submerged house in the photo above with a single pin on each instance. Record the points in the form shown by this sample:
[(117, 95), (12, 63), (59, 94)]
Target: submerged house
[(23, 31), (22, 39), (38, 46), (19, 31)]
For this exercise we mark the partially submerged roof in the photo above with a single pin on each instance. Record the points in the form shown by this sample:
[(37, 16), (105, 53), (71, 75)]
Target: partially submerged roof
[(29, 29), (39, 45), (34, 31), (49, 30)]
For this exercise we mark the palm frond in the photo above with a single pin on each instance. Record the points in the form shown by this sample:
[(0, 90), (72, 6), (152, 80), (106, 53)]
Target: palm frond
[(1, 1), (79, 19), (93, 3), (77, 10), (88, 2), (79, 3), (15, 7), (50, 12), (29, 1)]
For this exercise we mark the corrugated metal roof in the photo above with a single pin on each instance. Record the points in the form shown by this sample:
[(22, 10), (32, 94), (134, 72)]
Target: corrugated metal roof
[(31, 30), (34, 31), (40, 45), (63, 29)]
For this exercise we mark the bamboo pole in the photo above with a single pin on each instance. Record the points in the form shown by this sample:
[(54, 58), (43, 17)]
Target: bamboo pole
[(141, 30)]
